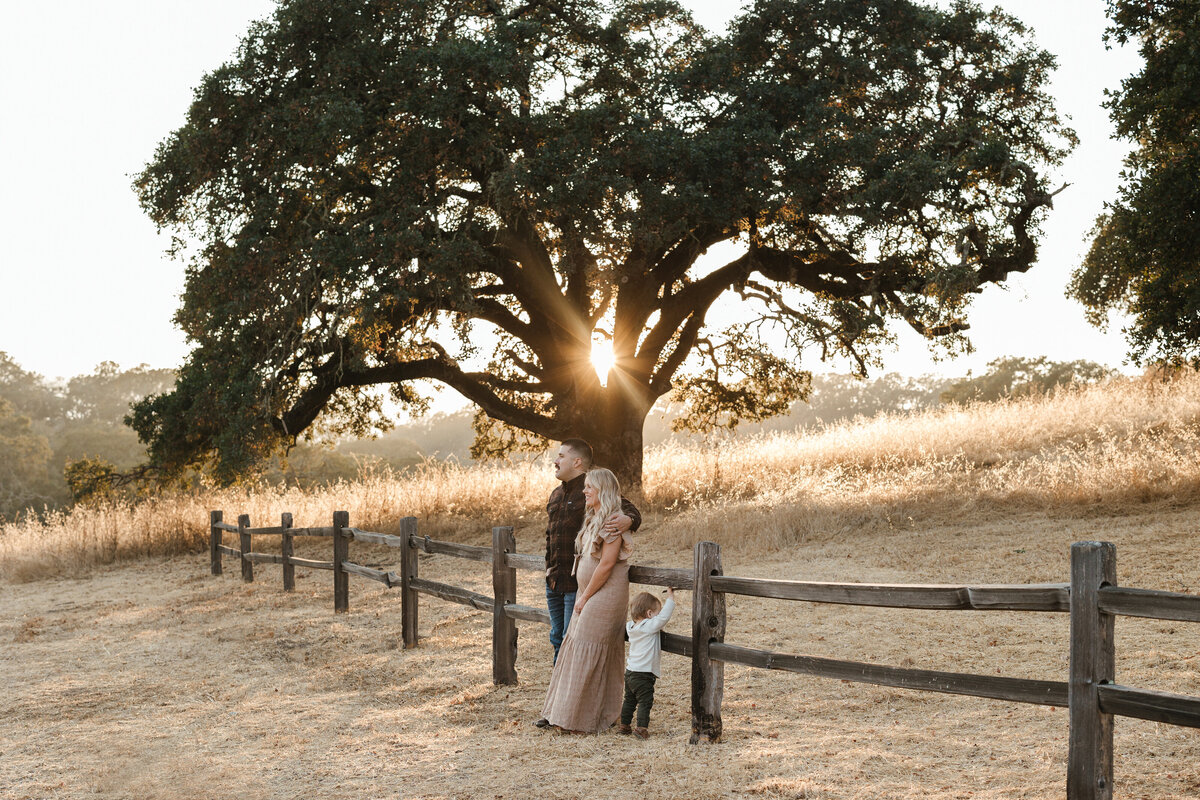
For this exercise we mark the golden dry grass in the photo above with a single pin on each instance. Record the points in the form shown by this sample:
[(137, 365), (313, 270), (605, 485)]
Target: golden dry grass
[(446, 496), (1080, 451), (1085, 450), (155, 680)]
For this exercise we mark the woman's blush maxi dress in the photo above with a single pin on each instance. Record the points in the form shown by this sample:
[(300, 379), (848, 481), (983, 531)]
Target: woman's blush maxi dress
[(588, 681)]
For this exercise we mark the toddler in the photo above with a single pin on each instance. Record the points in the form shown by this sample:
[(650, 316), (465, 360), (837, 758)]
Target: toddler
[(647, 618)]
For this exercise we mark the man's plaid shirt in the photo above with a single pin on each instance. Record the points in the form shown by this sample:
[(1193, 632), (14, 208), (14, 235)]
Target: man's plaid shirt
[(565, 509)]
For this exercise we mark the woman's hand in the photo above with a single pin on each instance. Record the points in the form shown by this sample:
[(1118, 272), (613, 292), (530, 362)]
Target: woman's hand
[(608, 557)]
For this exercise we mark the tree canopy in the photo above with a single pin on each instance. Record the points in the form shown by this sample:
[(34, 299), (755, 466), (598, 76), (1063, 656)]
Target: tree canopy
[(473, 192), (1145, 252)]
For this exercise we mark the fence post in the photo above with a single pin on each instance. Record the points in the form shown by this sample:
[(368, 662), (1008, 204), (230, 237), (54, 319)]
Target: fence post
[(244, 544), (289, 569), (708, 625), (341, 550), (214, 540), (408, 571), (1092, 663), (504, 627)]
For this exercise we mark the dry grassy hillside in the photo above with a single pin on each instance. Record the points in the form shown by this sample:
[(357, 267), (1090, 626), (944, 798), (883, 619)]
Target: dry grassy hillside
[(1089, 450), (151, 679)]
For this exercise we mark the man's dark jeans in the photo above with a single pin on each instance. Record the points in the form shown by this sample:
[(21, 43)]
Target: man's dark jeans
[(561, 606)]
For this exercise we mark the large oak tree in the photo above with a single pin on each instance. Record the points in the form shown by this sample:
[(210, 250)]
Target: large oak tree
[(388, 192), (1145, 253)]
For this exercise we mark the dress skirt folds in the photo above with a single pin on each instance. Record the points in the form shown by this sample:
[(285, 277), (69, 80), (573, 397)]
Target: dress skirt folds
[(588, 681)]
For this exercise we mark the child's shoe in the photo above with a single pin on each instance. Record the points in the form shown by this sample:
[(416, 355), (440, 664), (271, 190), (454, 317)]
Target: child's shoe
[(624, 729), (641, 733)]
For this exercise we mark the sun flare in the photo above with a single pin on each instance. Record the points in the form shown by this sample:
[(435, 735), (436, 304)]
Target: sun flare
[(603, 359)]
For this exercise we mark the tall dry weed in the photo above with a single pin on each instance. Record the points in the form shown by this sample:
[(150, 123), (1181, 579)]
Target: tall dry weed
[(449, 497), (1080, 450)]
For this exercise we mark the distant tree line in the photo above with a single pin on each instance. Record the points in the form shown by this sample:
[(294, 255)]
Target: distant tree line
[(47, 426), (64, 441), (837, 398)]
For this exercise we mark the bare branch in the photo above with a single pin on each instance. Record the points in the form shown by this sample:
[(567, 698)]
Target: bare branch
[(693, 302), (477, 387)]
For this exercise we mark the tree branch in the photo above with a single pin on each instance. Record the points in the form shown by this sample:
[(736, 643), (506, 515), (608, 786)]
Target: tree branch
[(693, 302), (671, 265), (499, 315), (994, 269), (834, 274), (474, 386), (535, 284), (661, 382)]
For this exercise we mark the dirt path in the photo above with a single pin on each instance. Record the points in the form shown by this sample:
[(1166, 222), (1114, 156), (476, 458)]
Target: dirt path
[(159, 681)]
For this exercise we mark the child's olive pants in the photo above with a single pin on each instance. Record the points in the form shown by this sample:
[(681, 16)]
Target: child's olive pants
[(639, 694)]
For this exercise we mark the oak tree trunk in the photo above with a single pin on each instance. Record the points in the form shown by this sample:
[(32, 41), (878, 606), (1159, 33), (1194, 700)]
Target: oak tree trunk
[(612, 425)]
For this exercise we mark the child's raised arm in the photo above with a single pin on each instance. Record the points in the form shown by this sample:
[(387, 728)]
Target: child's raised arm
[(657, 622)]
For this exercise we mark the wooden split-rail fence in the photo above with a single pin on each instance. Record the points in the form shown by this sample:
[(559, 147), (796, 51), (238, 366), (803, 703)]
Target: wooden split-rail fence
[(1092, 598)]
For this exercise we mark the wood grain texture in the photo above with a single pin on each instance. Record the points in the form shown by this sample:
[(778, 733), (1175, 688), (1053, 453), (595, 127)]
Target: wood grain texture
[(1173, 709), (454, 594), (274, 530), (525, 561), (708, 628), (367, 572), (286, 548), (1092, 663), (244, 546), (672, 643), (408, 573), (1150, 603), (504, 627), (278, 530), (371, 537), (311, 564), (325, 532), (341, 551), (229, 551), (1016, 690), (467, 551), (1035, 597), (214, 540), (662, 576), (527, 613), (263, 558), (225, 526)]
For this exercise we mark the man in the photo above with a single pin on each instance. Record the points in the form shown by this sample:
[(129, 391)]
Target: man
[(565, 510)]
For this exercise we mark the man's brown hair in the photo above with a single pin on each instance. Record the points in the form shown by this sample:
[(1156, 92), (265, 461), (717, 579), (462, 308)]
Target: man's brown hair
[(581, 449), (643, 605)]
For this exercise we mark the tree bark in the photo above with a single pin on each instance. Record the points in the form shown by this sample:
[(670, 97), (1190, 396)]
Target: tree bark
[(623, 455), (613, 427)]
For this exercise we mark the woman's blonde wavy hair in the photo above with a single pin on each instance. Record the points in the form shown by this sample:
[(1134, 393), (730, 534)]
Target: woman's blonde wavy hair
[(609, 498)]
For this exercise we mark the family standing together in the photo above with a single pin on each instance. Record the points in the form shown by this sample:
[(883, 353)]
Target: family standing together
[(588, 544)]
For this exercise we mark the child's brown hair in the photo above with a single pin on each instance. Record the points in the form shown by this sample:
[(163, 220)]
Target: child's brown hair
[(643, 605)]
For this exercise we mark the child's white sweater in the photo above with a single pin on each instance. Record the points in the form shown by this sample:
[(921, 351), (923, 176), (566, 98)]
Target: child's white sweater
[(645, 647)]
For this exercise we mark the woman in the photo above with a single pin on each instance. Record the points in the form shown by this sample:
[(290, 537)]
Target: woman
[(588, 680)]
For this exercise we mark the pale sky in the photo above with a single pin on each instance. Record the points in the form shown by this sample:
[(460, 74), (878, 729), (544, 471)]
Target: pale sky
[(89, 89)]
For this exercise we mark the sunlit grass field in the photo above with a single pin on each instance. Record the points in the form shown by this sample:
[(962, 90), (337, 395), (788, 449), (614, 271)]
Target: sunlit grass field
[(1077, 451), (154, 679)]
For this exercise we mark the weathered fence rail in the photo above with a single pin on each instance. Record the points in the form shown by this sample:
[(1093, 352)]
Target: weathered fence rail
[(1092, 598)]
